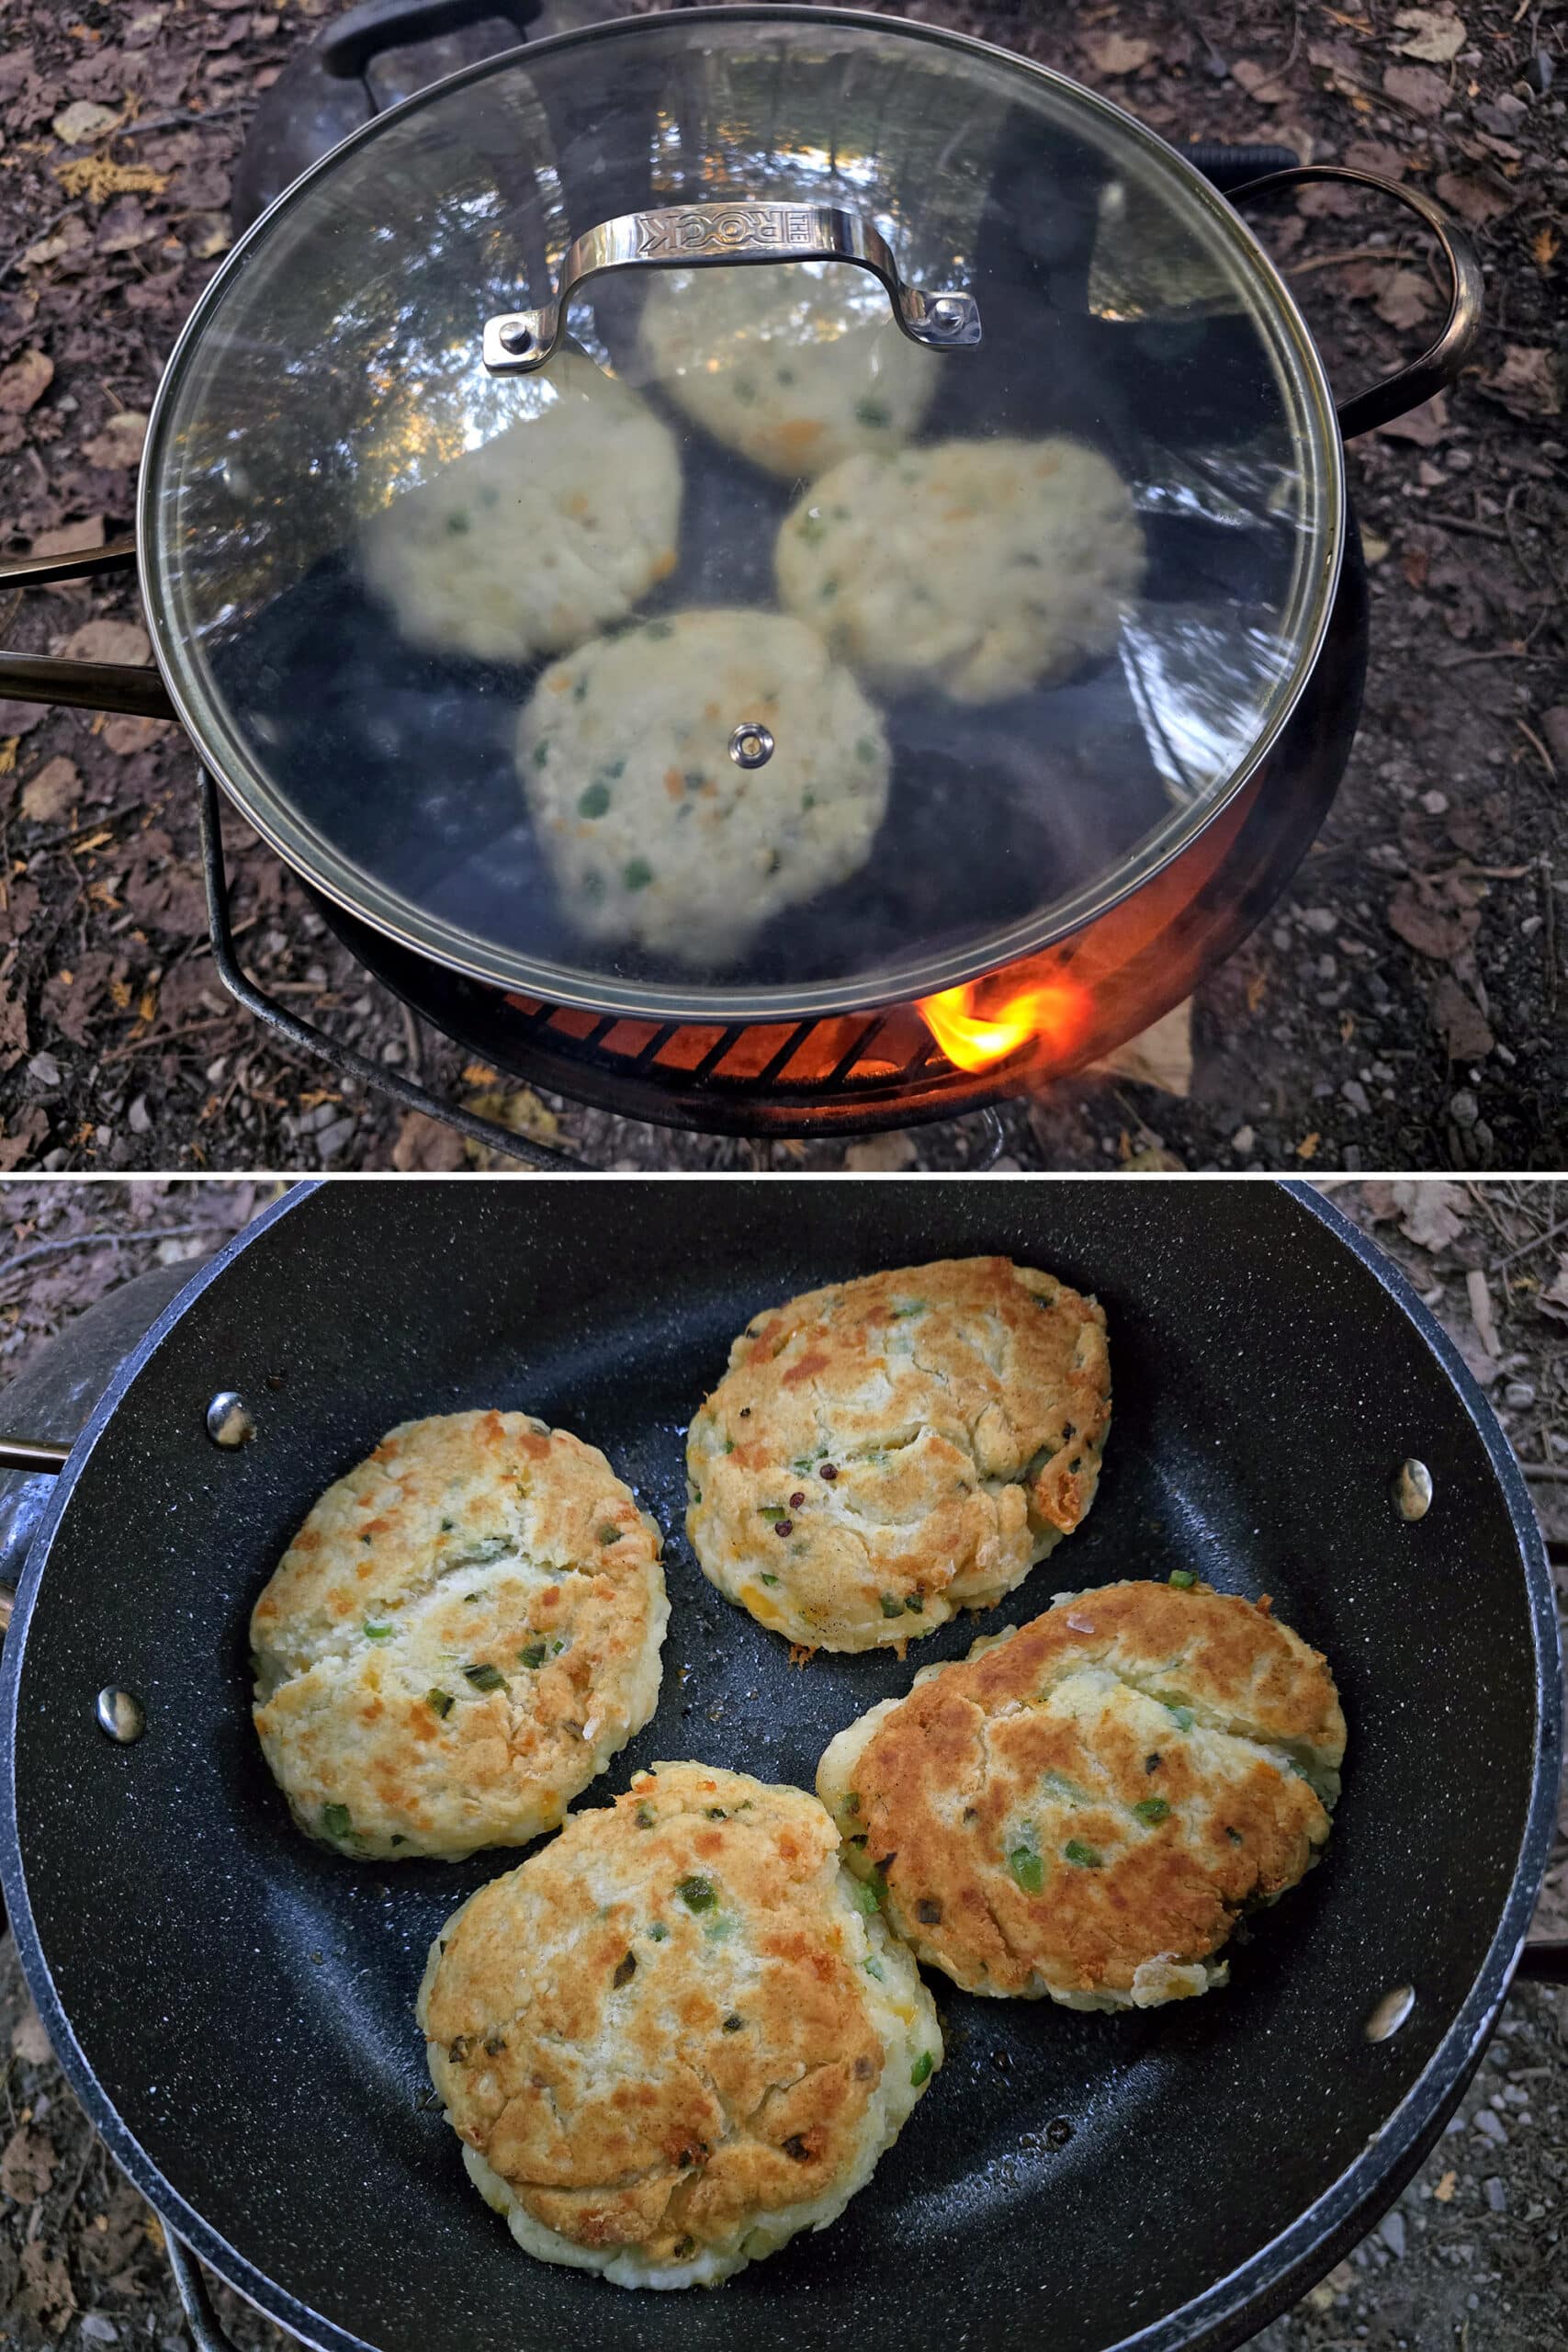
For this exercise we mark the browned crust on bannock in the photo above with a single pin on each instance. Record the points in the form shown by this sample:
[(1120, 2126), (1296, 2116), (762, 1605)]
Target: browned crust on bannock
[(960, 1410), (477, 1540), (611, 2097), (960, 1774)]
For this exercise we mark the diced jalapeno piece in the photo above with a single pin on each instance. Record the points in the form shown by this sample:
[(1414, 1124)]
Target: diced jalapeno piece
[(1028, 1868)]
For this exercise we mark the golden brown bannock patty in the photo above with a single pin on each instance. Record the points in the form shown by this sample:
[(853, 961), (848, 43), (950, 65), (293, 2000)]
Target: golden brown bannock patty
[(884, 1452), (463, 1633), (1083, 1807), (675, 2037)]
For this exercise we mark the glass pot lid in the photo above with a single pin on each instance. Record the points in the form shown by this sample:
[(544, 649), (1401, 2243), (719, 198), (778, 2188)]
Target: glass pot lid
[(738, 513)]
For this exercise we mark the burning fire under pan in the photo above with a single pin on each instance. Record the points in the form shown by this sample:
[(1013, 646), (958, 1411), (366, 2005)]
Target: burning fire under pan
[(770, 570)]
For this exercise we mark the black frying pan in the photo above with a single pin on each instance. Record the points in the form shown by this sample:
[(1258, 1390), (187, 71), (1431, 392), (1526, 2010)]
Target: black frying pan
[(234, 2007)]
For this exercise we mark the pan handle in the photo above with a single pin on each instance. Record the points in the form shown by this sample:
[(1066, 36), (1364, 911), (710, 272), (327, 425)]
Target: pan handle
[(80, 685), (36, 1458), (1440, 363), (206, 2328)]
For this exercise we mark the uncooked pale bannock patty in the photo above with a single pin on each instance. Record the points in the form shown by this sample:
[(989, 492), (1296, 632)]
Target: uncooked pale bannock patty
[(980, 568), (654, 831), (462, 1634), (796, 365), (1083, 1808), (553, 529), (884, 1452), (678, 2034)]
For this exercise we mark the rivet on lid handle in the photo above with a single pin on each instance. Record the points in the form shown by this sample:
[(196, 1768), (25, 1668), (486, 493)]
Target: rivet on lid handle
[(697, 236)]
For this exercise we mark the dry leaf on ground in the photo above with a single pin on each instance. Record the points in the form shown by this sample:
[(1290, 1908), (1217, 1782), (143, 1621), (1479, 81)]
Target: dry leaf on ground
[(1418, 87), (52, 792), (108, 641), (25, 381), (1265, 85), (1475, 201), (119, 445), (82, 120), (428, 1145), (1460, 1022), (1160, 1056), (1554, 1299), (1435, 924), (26, 2166), (1114, 53), (1435, 34), (1405, 298), (1426, 426), (880, 1155), (47, 2293), (1527, 381), (1430, 1214), (29, 2042), (71, 538)]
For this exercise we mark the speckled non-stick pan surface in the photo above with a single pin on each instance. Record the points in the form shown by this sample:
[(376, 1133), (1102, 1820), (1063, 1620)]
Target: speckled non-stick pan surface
[(235, 2007)]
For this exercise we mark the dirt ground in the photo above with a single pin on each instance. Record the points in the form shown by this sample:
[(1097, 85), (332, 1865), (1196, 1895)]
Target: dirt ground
[(1470, 2257), (1405, 1007)]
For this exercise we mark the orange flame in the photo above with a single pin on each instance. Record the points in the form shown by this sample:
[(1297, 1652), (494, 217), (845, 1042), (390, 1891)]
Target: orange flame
[(1054, 1014)]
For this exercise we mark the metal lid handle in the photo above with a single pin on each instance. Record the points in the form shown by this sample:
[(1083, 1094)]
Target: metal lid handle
[(698, 236)]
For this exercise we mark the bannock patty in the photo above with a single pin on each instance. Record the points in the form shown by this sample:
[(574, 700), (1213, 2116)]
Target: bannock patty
[(1084, 1807), (678, 2034), (884, 1452), (463, 1633)]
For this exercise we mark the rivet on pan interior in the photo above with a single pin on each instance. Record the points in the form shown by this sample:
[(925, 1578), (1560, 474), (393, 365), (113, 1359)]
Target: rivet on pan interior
[(121, 1714), (515, 337), (751, 745), (1413, 1490), (228, 1420), (1390, 2013)]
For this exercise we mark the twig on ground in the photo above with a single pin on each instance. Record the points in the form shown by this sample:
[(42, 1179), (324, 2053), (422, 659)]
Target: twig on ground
[(1538, 1242), (94, 1241)]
